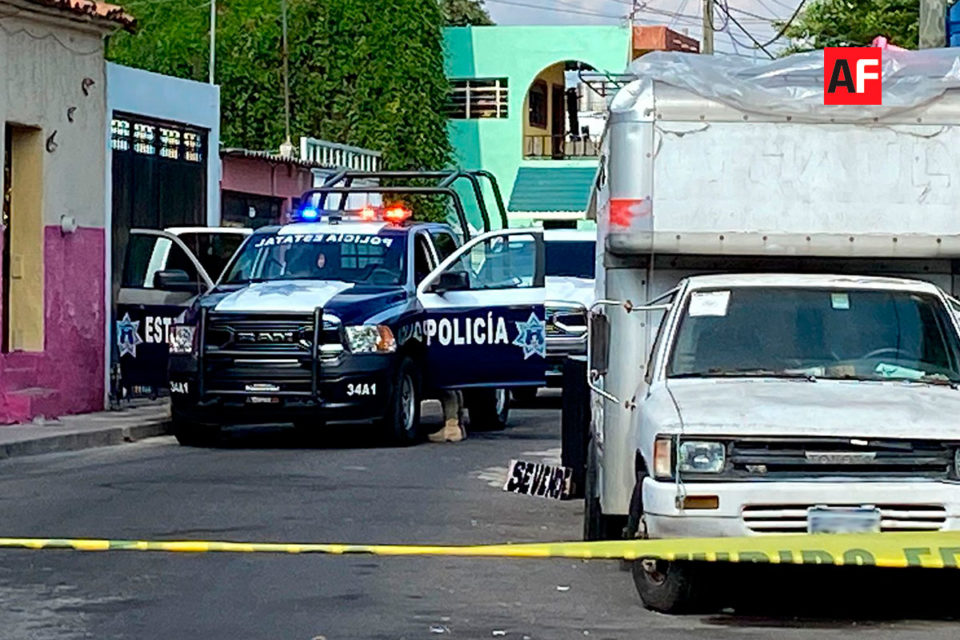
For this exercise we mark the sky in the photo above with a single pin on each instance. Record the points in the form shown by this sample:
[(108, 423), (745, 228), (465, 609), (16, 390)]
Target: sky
[(681, 15)]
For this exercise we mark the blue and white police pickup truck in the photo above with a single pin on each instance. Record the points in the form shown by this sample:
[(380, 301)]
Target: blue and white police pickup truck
[(356, 316)]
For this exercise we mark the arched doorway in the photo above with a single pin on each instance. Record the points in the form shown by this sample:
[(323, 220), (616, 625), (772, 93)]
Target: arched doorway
[(562, 118)]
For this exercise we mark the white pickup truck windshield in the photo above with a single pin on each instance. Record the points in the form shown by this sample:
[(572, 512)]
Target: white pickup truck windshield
[(829, 333)]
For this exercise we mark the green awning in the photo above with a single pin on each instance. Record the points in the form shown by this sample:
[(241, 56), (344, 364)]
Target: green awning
[(545, 189)]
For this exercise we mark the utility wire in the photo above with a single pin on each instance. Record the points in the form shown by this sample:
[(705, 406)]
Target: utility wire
[(545, 8), (751, 14), (760, 45), (771, 11), (676, 14), (726, 20), (786, 25)]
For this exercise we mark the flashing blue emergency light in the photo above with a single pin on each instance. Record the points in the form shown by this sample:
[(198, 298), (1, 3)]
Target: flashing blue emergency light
[(309, 214)]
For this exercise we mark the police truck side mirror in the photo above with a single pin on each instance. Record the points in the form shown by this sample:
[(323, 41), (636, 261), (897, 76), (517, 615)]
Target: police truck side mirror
[(451, 281), (175, 280)]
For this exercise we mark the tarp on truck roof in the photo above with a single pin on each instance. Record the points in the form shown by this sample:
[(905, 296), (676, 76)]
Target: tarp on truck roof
[(793, 85)]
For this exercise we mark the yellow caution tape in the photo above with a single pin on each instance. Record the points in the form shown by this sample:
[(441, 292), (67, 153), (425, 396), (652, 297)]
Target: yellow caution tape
[(930, 550)]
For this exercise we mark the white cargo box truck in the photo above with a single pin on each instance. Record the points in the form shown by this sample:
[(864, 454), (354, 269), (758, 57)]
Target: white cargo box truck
[(713, 167)]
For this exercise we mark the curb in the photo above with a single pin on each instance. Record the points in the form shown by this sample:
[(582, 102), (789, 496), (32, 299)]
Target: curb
[(87, 439)]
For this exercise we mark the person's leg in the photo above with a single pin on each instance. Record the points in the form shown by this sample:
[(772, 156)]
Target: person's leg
[(452, 431)]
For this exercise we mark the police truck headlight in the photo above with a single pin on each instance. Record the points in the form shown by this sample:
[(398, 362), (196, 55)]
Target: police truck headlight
[(701, 457), (371, 338), (181, 338)]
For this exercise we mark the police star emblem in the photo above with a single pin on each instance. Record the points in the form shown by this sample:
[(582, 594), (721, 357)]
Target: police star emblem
[(531, 336), (128, 335)]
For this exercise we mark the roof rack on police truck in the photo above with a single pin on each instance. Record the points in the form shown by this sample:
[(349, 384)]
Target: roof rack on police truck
[(445, 181)]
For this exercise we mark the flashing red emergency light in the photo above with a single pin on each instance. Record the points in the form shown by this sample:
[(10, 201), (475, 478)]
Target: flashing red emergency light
[(397, 214)]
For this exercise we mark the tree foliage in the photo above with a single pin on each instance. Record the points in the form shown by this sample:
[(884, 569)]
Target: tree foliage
[(364, 73), (462, 13), (841, 23)]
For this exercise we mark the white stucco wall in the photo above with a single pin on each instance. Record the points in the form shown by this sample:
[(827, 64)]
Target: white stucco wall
[(153, 95), (44, 60)]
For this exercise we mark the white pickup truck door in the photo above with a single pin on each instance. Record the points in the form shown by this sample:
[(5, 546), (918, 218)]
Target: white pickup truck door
[(484, 313)]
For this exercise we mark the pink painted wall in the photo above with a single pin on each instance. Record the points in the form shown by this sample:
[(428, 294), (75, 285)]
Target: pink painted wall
[(264, 178), (67, 377)]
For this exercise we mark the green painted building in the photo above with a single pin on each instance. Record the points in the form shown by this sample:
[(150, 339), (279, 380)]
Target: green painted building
[(509, 111), (518, 110)]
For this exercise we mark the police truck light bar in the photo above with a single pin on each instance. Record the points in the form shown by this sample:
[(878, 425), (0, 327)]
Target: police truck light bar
[(394, 214), (397, 214)]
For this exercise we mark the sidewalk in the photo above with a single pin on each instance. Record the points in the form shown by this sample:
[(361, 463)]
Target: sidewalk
[(136, 421)]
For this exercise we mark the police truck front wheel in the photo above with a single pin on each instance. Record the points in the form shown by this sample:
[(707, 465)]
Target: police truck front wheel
[(190, 433), (401, 422), (489, 408)]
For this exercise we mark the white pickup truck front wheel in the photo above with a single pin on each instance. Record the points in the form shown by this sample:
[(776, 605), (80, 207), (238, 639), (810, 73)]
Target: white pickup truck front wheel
[(667, 587)]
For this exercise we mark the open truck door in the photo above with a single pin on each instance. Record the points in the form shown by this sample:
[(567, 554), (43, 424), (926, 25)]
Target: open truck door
[(161, 277), (484, 313)]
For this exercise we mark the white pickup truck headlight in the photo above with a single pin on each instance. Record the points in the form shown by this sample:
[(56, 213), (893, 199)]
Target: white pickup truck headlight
[(181, 338), (701, 457), (371, 338)]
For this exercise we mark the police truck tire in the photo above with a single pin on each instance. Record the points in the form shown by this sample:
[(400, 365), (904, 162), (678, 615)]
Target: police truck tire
[(524, 395), (489, 408), (193, 434), (401, 424)]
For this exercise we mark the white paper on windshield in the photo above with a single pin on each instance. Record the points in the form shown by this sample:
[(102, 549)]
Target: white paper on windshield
[(840, 300), (887, 370), (709, 303)]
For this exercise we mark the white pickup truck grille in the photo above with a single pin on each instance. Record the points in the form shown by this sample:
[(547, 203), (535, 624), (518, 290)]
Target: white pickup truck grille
[(792, 518)]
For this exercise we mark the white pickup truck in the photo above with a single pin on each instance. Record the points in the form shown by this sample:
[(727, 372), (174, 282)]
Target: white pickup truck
[(774, 349), (791, 403)]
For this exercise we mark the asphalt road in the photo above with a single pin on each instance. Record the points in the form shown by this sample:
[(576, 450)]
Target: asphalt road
[(260, 485)]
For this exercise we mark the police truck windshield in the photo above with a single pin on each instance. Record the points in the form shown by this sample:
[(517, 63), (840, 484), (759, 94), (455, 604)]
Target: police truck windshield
[(359, 258)]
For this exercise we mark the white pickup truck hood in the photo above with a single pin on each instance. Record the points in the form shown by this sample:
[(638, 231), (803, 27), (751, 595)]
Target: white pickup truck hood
[(569, 289), (765, 407)]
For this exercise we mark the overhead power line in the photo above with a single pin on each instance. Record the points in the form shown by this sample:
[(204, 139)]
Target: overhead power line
[(786, 25), (759, 44), (582, 12)]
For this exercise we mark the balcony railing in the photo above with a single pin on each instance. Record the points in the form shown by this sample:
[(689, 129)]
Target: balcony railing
[(339, 156), (559, 147)]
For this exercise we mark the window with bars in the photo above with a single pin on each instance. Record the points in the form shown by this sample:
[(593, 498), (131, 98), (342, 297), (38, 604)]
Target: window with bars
[(167, 141), (478, 98), (120, 134), (192, 146), (143, 138)]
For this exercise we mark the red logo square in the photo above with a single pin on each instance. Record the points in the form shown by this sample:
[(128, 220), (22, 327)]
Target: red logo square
[(852, 75)]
